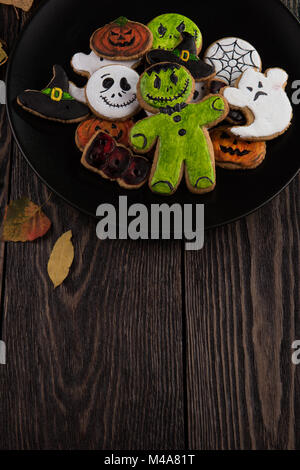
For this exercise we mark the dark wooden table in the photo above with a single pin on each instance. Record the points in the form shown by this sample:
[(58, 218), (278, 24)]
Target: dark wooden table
[(146, 346)]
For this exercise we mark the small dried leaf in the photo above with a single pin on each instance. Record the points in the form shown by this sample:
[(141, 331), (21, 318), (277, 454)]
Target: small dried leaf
[(3, 55), (24, 4), (24, 221), (61, 258)]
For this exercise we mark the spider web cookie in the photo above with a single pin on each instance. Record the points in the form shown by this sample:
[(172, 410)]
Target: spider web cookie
[(231, 57)]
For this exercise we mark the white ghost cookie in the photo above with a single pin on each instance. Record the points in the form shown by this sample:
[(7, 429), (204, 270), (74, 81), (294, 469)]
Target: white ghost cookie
[(110, 92), (266, 104), (87, 64)]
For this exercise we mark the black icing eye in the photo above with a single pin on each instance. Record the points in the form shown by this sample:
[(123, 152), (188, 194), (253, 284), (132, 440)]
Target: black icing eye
[(174, 78), (128, 32), (124, 84), (180, 28), (108, 82), (249, 88), (260, 85), (113, 33), (224, 135), (157, 82), (161, 30), (113, 126)]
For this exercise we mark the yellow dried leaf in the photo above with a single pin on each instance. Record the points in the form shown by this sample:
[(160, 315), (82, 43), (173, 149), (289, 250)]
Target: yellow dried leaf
[(61, 258), (24, 4), (3, 55)]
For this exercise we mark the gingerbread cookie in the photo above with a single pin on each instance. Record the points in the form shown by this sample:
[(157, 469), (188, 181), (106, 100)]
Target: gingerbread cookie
[(118, 130), (121, 40), (184, 54), (231, 57), (168, 28), (178, 129), (236, 154), (265, 103), (115, 162), (110, 92), (55, 101), (87, 64)]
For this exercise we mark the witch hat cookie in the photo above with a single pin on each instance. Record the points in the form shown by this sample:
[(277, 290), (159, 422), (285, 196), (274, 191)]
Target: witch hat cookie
[(54, 102), (184, 54)]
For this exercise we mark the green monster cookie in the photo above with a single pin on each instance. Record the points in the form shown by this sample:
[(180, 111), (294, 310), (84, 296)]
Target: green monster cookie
[(167, 29), (178, 128)]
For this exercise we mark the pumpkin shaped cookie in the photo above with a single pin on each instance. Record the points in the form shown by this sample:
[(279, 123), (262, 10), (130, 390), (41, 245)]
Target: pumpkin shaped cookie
[(122, 40), (236, 154), (118, 130)]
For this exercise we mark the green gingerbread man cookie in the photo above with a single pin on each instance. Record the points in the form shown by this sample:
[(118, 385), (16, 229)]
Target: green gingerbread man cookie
[(178, 128), (167, 30)]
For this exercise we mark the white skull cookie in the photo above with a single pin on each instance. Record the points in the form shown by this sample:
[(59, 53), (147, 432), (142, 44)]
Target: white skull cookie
[(265, 102), (110, 92)]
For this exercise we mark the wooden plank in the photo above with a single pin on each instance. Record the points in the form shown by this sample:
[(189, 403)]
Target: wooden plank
[(9, 28), (96, 363), (242, 315), (242, 308)]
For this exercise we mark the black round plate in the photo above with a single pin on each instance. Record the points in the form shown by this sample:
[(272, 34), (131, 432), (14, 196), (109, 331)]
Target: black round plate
[(61, 28)]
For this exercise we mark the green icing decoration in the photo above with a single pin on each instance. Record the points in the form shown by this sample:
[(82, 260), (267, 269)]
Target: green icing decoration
[(47, 91), (179, 136), (65, 96), (121, 21), (166, 31), (166, 86)]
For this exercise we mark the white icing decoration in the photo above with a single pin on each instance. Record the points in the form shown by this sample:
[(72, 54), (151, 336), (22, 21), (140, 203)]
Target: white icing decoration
[(2, 92), (231, 57), (266, 98), (77, 93), (199, 92), (111, 92), (90, 63)]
